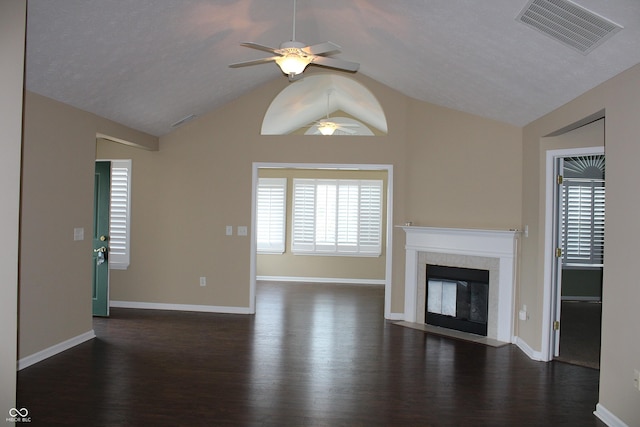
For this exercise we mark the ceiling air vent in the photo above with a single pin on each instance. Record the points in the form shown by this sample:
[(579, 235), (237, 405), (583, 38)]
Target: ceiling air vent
[(568, 23)]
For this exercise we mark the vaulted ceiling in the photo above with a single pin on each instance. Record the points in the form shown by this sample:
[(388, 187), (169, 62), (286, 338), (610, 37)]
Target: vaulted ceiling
[(149, 63)]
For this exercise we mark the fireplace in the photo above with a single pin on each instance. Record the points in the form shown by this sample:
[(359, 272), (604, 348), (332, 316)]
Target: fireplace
[(490, 250), (457, 298)]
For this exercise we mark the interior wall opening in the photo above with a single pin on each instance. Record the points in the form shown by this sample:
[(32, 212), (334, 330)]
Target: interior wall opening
[(335, 264)]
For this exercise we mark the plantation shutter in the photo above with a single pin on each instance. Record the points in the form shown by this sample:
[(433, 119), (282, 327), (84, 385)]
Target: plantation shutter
[(370, 230), (304, 215), (583, 219), (348, 213), (271, 215), (120, 215), (337, 217)]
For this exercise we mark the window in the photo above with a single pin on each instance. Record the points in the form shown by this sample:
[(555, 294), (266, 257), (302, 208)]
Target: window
[(583, 222), (271, 215), (337, 217), (120, 215)]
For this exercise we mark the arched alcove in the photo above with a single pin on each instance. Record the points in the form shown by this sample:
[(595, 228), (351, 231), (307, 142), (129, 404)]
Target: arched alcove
[(298, 107)]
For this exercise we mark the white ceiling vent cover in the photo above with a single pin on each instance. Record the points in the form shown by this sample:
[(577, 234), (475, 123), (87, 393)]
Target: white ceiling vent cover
[(568, 23)]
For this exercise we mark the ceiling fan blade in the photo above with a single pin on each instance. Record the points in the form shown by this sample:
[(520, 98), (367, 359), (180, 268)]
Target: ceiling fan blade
[(335, 63), (320, 48), (345, 130), (254, 62), (259, 47)]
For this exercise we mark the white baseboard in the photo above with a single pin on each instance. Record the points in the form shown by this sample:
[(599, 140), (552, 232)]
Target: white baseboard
[(321, 280), (526, 349), (394, 316), (607, 417), (180, 307), (55, 349)]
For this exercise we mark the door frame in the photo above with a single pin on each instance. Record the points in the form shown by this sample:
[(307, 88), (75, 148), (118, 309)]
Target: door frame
[(256, 166), (551, 264)]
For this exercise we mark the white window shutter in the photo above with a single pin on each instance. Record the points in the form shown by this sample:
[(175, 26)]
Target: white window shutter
[(583, 214), (120, 215), (325, 216), (370, 233), (341, 217), (271, 215), (348, 200), (304, 212)]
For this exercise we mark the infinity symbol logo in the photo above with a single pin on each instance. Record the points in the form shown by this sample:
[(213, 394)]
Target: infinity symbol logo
[(22, 412)]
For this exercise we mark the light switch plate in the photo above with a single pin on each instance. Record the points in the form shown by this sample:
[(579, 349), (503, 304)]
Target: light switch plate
[(242, 230), (229, 230), (78, 233)]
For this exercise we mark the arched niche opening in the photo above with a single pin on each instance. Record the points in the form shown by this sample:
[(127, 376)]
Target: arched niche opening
[(303, 105)]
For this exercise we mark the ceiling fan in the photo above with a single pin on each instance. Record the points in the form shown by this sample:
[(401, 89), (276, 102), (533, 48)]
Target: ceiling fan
[(328, 127), (293, 57)]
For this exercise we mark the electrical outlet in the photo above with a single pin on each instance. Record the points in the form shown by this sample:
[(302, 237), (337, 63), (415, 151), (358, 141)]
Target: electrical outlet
[(636, 379), (203, 281), (242, 230)]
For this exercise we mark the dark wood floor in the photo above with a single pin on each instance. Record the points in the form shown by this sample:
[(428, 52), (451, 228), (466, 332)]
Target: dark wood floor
[(313, 355), (580, 333)]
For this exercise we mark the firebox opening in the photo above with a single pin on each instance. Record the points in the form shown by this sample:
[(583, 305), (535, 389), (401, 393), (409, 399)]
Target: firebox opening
[(457, 298)]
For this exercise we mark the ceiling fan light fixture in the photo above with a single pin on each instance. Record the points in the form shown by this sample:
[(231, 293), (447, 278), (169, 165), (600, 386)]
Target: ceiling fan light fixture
[(327, 128), (293, 63)]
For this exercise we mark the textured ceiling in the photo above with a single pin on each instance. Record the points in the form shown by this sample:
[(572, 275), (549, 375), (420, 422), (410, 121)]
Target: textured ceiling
[(149, 63)]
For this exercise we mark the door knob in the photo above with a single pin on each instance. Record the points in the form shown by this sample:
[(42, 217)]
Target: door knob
[(101, 249)]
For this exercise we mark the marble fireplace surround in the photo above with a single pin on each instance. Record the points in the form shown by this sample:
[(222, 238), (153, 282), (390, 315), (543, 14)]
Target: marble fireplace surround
[(493, 250)]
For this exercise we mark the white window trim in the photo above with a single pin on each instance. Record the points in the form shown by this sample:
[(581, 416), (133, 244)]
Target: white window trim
[(272, 247)]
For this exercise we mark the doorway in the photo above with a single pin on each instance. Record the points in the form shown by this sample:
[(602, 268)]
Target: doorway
[(574, 242), (580, 195), (100, 259), (387, 225)]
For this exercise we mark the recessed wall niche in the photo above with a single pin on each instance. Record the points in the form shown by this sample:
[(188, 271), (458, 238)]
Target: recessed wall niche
[(303, 105)]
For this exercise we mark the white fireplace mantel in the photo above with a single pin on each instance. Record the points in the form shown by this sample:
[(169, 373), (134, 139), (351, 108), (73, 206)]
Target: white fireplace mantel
[(494, 245)]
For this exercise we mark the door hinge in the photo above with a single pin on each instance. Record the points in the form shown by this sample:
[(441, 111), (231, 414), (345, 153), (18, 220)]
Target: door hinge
[(558, 252), (559, 179), (556, 325)]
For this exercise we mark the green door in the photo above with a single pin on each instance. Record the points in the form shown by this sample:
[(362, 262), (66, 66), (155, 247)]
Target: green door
[(100, 294)]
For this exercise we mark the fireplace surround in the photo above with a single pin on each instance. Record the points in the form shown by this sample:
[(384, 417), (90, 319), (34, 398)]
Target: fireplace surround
[(492, 250)]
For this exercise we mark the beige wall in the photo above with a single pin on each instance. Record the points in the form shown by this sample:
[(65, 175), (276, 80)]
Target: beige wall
[(57, 197), (12, 36), (201, 181), (463, 170), (620, 354), (337, 267)]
